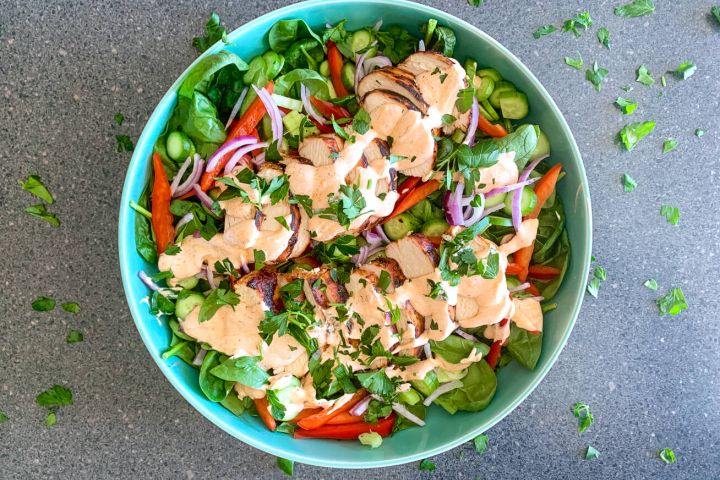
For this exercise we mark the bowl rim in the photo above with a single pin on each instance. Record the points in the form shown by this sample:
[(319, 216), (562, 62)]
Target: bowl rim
[(125, 229)]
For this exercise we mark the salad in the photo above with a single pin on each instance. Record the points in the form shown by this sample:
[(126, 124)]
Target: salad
[(350, 228)]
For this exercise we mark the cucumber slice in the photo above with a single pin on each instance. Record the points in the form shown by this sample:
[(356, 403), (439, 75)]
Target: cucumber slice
[(360, 39), (542, 147), (445, 376), (500, 87), (494, 200), (396, 228), (287, 393), (289, 103), (490, 73), (188, 283), (514, 105), (484, 87), (427, 385), (410, 397), (187, 304), (179, 146), (488, 109), (348, 75), (273, 63), (325, 68), (528, 200), (435, 228)]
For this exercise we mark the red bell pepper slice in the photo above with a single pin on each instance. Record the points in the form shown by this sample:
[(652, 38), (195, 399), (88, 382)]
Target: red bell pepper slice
[(344, 418), (493, 129), (349, 431), (413, 197), (330, 110), (319, 419), (335, 62), (162, 219), (543, 272), (494, 354), (261, 405)]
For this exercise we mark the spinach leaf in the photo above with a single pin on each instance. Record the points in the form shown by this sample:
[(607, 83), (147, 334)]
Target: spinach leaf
[(481, 443), (144, 242), (285, 32), (580, 20), (316, 84), (525, 347), (34, 185), (214, 388), (440, 39), (341, 37), (715, 12), (199, 119), (455, 348), (183, 349), (669, 145), (551, 222), (242, 370), (71, 307), (522, 141), (207, 67), (560, 260), (397, 43), (214, 31), (236, 405), (305, 53), (476, 393), (592, 453), (685, 70)]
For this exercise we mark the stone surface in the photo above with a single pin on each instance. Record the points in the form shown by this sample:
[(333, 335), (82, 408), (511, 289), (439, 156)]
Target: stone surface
[(67, 67)]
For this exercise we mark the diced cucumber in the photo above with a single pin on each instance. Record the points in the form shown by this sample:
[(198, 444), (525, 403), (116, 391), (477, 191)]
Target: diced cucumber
[(409, 397), (292, 122), (273, 63), (445, 376), (348, 75), (490, 73), (457, 136), (470, 67), (188, 283), (514, 105), (484, 87), (289, 103), (435, 227), (494, 200), (360, 39), (488, 109), (427, 385), (396, 228), (287, 392), (325, 68), (500, 221), (542, 147), (186, 304), (500, 87), (179, 146), (528, 200)]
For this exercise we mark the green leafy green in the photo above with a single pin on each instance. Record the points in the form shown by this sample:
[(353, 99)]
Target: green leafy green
[(671, 214), (522, 141), (377, 382), (339, 250), (632, 133), (71, 307), (476, 3), (576, 63), (599, 276), (644, 76), (55, 396), (651, 284), (476, 393), (74, 336), (345, 207), (685, 70), (206, 68), (591, 453), (628, 183), (669, 145), (305, 53), (580, 20), (286, 466), (119, 118), (124, 144), (361, 122), (371, 439), (34, 185), (525, 347), (50, 419), (481, 443), (144, 242), (43, 304), (440, 39), (294, 319), (667, 455), (426, 465), (465, 99), (3, 418), (397, 43), (457, 259), (243, 370), (40, 211), (699, 132), (198, 118), (219, 297), (673, 302), (215, 389), (376, 410), (455, 348), (286, 32), (596, 75), (627, 106), (544, 30), (603, 35), (214, 31), (715, 12), (582, 412), (316, 84), (636, 8)]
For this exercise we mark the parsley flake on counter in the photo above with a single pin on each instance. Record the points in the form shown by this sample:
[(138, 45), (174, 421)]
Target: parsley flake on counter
[(715, 11), (644, 76), (576, 63), (592, 453), (636, 8), (580, 20), (214, 31), (628, 183), (669, 145), (50, 419), (476, 3), (685, 70), (599, 276), (651, 284), (663, 81), (119, 118), (596, 76), (55, 396), (74, 336), (286, 466), (426, 466), (544, 30), (34, 185), (582, 412), (667, 455), (627, 88), (671, 214), (672, 303), (632, 133), (3, 418), (699, 132), (626, 105), (603, 35), (43, 304), (40, 211), (71, 307), (124, 144), (481, 443)]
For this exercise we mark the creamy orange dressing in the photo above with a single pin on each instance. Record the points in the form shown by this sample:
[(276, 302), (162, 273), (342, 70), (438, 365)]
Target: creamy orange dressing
[(528, 314), (371, 307), (418, 370), (504, 172)]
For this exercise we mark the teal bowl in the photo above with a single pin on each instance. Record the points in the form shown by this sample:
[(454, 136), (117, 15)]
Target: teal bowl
[(443, 431)]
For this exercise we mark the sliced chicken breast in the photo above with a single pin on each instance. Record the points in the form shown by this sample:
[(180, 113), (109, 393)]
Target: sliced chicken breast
[(394, 80), (320, 149), (415, 254), (389, 265)]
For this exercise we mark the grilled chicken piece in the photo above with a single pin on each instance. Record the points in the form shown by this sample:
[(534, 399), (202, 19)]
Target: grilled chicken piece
[(427, 61), (466, 308), (377, 150), (379, 98), (269, 170), (321, 289), (394, 80), (415, 254), (410, 318), (263, 281), (462, 122), (385, 264), (319, 149)]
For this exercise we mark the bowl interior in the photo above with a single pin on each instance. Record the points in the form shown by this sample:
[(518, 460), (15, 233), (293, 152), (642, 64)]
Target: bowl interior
[(443, 431)]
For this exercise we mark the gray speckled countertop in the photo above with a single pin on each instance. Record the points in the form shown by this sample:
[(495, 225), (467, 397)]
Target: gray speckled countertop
[(67, 67)]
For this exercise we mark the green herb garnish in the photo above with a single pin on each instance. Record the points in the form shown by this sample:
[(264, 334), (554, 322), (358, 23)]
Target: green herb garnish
[(596, 75), (669, 145), (40, 211), (628, 183), (651, 283), (673, 302), (685, 70), (286, 466), (636, 8), (576, 63), (34, 185), (426, 466), (580, 20), (626, 106), (544, 30), (214, 31), (119, 118), (644, 76), (481, 443), (591, 453), (667, 455), (219, 297), (43, 304), (671, 214), (55, 396), (74, 336), (603, 35), (631, 134), (124, 144), (582, 412)]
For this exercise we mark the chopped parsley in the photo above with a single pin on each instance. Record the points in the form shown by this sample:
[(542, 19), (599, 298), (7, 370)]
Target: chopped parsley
[(628, 183), (426, 466), (603, 35), (277, 409), (119, 118), (341, 131), (685, 70), (71, 307), (361, 122), (626, 106), (580, 20), (43, 304), (40, 211), (276, 189), (384, 281), (124, 144), (294, 319), (34, 185), (346, 207), (258, 259), (592, 453), (465, 98), (599, 276), (458, 260), (672, 303), (663, 81), (715, 11), (378, 383), (699, 132), (582, 412), (55, 396), (286, 466), (576, 63), (214, 31), (50, 418), (627, 88), (671, 214), (596, 75), (74, 336), (3, 418), (436, 290), (651, 283), (281, 220), (219, 297), (544, 30), (667, 455), (481, 443), (636, 8), (631, 134), (669, 145), (304, 201), (448, 119), (644, 76)]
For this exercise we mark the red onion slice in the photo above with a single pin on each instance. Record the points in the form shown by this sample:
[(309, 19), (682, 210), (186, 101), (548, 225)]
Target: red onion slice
[(187, 218), (466, 335), (511, 187), (236, 107), (204, 197), (359, 69), (232, 163), (444, 388), (453, 209), (474, 114), (309, 109), (147, 281), (381, 233), (360, 407), (273, 111), (379, 61), (404, 412), (228, 147), (517, 194), (180, 173), (361, 257), (519, 288), (194, 177), (198, 360)]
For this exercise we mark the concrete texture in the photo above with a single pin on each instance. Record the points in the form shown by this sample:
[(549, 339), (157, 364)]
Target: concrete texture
[(652, 382)]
